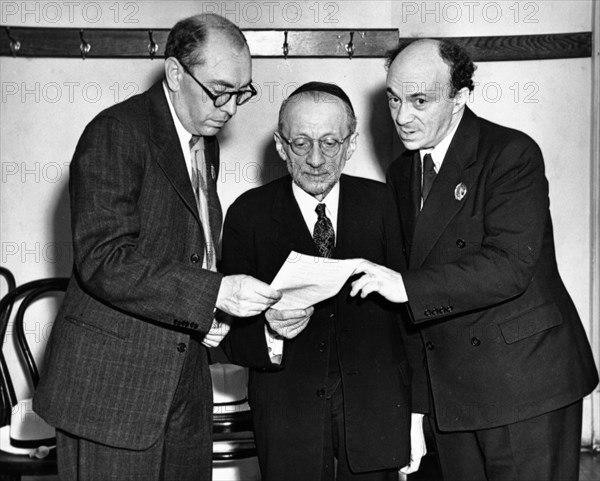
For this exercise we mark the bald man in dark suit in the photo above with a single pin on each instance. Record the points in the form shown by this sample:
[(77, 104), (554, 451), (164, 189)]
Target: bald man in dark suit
[(507, 356)]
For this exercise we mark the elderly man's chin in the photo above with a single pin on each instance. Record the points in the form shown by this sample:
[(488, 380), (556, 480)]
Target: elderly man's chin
[(315, 188)]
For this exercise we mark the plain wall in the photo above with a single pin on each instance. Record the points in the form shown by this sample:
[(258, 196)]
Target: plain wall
[(46, 103)]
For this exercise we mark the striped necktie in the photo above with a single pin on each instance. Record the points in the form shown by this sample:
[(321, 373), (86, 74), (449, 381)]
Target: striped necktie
[(428, 176), (207, 201)]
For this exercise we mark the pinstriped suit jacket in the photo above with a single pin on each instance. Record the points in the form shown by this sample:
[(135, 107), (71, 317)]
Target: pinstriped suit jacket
[(138, 291)]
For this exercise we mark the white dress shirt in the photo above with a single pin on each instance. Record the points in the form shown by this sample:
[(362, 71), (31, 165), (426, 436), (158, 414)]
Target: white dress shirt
[(307, 204)]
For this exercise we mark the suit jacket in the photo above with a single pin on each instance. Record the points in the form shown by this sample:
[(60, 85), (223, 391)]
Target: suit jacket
[(138, 292), (503, 339), (288, 401)]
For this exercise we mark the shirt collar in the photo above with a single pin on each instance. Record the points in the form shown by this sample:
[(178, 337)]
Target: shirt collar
[(308, 204), (182, 134), (438, 153)]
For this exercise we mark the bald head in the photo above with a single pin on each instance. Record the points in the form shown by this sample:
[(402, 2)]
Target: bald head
[(188, 38), (419, 67), (461, 67)]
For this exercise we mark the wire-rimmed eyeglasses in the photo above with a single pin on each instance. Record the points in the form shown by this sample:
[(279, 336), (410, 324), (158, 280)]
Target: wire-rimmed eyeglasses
[(303, 145), (241, 96)]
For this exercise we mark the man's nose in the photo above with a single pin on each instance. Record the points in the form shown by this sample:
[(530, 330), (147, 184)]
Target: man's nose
[(404, 114), (315, 157), (231, 106)]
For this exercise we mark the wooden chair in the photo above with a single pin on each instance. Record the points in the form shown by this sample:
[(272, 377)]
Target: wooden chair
[(13, 466), (5, 396)]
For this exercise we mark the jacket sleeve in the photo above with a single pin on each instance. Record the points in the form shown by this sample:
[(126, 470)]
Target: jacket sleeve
[(109, 227), (514, 217), (246, 343)]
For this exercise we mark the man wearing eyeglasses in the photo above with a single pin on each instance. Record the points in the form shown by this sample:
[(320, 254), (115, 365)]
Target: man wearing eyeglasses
[(126, 379), (329, 385)]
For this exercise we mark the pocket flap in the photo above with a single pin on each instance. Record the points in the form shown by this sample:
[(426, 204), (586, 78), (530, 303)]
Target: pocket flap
[(531, 322)]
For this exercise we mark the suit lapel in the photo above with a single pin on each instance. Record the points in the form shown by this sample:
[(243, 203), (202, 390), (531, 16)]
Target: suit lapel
[(348, 209), (407, 184), (167, 149), (460, 166), (290, 232)]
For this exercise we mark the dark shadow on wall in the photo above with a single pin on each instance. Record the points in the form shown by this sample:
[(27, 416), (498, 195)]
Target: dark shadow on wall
[(272, 167), (386, 144), (59, 251)]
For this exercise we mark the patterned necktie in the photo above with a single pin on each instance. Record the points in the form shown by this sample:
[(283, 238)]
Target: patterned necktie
[(323, 235), (207, 201), (428, 176)]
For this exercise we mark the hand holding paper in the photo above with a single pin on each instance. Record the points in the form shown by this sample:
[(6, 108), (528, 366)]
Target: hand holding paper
[(289, 323), (245, 296), (306, 280), (380, 279)]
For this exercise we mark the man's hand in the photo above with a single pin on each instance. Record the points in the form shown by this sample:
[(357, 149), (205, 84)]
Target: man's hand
[(289, 323), (379, 279), (218, 331), (417, 444), (245, 296)]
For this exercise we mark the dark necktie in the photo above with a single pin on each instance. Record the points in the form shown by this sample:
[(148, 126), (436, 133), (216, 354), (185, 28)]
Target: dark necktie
[(207, 200), (428, 176), (323, 234)]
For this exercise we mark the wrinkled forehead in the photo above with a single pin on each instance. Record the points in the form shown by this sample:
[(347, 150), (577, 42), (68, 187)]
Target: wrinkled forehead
[(225, 60), (314, 108), (413, 73)]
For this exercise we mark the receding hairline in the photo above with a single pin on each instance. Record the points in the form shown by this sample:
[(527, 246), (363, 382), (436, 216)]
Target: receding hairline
[(316, 96), (192, 34)]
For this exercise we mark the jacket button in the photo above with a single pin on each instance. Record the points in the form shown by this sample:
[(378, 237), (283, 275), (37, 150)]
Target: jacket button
[(195, 258), (427, 313), (322, 346), (449, 308), (460, 243), (434, 312), (320, 392), (429, 345), (475, 341), (181, 347)]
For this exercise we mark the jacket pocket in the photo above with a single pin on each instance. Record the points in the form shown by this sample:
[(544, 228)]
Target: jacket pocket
[(531, 322), (108, 328)]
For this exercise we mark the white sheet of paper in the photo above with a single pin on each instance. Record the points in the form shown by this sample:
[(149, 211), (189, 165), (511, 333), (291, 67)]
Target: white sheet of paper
[(306, 280)]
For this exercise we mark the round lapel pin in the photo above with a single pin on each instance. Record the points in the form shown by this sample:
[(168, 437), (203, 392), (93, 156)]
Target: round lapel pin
[(460, 191)]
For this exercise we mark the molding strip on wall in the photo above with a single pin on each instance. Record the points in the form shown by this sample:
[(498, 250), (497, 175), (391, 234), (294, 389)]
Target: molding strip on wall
[(266, 43)]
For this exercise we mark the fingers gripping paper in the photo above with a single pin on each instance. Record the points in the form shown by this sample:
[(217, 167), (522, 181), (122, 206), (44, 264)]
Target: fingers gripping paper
[(306, 280)]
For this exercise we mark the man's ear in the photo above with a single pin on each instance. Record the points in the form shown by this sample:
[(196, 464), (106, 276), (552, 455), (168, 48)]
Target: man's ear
[(173, 73), (460, 100), (352, 143), (279, 146)]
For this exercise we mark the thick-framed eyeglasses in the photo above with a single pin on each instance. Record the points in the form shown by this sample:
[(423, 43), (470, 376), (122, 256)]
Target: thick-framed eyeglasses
[(303, 145), (241, 96)]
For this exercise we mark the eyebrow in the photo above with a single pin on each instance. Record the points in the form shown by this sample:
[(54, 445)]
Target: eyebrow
[(227, 84), (411, 96)]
